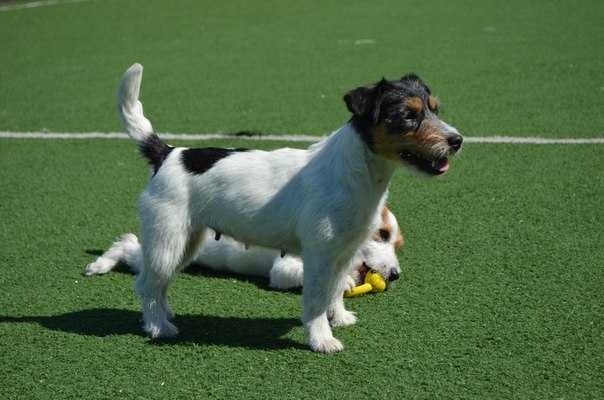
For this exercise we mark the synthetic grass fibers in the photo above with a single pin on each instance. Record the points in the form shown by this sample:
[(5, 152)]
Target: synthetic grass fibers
[(500, 297), (502, 291)]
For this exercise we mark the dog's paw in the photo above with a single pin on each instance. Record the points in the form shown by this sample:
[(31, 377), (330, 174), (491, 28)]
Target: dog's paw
[(326, 345), (343, 318), (164, 330), (349, 283), (100, 266)]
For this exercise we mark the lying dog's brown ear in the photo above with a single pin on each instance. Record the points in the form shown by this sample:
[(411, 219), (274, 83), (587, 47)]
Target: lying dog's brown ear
[(364, 101)]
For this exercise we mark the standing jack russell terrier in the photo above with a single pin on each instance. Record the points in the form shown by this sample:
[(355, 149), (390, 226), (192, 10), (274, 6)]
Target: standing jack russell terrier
[(321, 203)]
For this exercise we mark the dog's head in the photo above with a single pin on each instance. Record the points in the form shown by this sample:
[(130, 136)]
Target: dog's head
[(398, 120), (379, 251)]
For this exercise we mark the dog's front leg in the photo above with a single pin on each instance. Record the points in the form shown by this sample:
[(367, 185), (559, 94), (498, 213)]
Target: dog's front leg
[(321, 284), (337, 314)]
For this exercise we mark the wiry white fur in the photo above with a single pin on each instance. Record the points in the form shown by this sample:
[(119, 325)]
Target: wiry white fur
[(227, 254), (320, 203), (127, 250), (129, 108)]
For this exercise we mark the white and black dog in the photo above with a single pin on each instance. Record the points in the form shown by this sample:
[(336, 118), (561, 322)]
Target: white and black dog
[(321, 203), (222, 253)]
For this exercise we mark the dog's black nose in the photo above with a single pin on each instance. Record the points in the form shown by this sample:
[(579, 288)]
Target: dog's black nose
[(455, 141), (394, 275)]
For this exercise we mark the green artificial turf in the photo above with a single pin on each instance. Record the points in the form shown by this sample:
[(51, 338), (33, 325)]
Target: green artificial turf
[(512, 68), (500, 296)]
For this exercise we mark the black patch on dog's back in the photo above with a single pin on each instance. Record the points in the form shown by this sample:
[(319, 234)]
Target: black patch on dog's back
[(198, 161), (155, 151)]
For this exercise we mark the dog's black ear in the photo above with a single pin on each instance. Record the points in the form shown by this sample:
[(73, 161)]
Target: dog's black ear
[(359, 100), (365, 101)]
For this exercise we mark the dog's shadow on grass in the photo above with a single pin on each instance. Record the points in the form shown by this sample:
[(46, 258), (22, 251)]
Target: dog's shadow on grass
[(252, 333), (255, 333)]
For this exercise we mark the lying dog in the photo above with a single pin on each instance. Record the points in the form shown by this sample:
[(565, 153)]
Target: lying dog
[(321, 203), (222, 253)]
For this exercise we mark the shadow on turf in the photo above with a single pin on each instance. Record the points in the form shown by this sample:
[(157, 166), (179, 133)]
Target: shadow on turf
[(251, 333)]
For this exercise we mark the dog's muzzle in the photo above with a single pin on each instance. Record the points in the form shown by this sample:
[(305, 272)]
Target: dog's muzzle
[(437, 164)]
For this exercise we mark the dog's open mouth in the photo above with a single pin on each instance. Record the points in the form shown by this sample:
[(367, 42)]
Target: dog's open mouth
[(437, 166)]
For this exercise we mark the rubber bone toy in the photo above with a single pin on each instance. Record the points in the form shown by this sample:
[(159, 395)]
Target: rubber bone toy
[(374, 283)]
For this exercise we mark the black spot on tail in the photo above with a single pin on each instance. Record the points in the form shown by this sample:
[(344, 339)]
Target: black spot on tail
[(198, 161), (155, 151)]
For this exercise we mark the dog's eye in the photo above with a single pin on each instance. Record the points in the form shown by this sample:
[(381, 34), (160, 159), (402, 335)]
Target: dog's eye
[(384, 234), (409, 115)]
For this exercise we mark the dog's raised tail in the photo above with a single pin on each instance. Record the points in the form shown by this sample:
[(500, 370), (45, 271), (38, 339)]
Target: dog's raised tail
[(139, 128), (129, 108)]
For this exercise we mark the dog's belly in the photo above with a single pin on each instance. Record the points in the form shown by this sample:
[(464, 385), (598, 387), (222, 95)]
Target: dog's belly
[(251, 228), (283, 241), (252, 197)]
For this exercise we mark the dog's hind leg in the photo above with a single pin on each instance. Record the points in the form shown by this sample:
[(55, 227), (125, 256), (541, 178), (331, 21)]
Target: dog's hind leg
[(321, 284), (193, 244), (165, 253), (152, 287)]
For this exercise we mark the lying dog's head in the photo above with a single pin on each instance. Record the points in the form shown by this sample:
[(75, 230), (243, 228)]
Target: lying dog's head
[(378, 252), (398, 120)]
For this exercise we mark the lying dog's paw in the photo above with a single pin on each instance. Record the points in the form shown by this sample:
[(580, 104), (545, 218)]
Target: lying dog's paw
[(286, 273), (343, 318), (348, 283), (100, 266)]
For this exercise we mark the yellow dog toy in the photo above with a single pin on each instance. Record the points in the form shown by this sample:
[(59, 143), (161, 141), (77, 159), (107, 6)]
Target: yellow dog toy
[(374, 283)]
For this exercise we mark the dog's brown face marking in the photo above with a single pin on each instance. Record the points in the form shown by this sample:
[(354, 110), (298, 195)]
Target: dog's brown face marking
[(415, 104), (385, 144), (433, 103), (400, 241), (384, 234), (422, 141), (385, 231), (398, 121)]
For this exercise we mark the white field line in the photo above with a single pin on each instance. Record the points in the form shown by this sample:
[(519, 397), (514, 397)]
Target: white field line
[(284, 138), (530, 140), (35, 4), (166, 136)]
